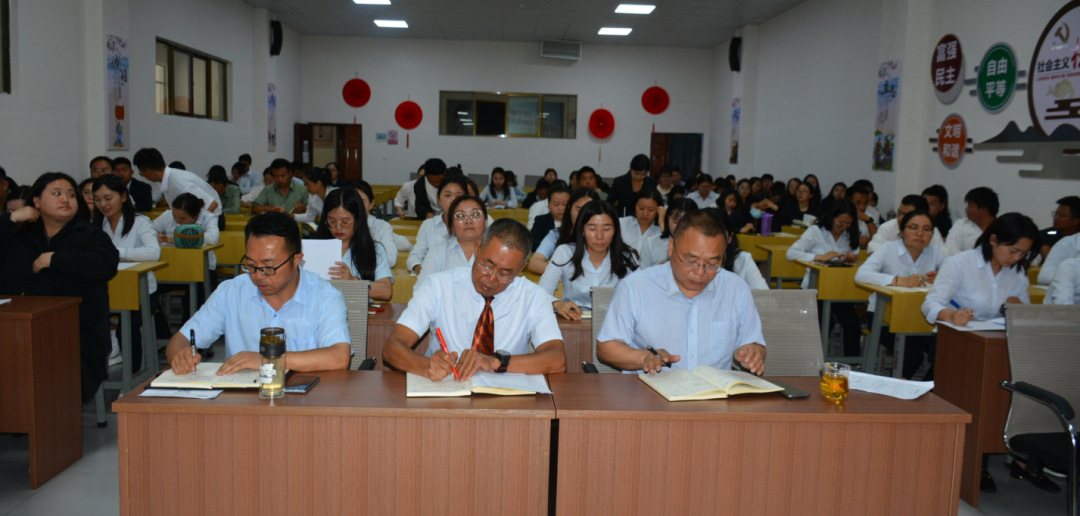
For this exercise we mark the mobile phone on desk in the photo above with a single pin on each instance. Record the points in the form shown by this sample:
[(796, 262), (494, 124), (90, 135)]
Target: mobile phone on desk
[(297, 384), (789, 392)]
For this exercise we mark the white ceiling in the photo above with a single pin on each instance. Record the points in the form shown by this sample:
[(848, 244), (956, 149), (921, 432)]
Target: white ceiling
[(674, 23)]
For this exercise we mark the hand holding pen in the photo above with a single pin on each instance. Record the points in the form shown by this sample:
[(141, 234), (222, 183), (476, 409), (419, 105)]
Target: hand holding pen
[(961, 316), (658, 360)]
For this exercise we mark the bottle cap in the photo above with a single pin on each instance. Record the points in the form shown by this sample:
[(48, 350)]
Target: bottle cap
[(272, 342)]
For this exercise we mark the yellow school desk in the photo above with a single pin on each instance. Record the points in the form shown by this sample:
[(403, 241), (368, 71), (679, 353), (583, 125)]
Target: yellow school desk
[(834, 284), (232, 251), (405, 230), (519, 214), (793, 230), (1033, 274), (778, 268), (188, 267), (901, 310), (749, 242), (404, 282), (236, 225), (129, 291), (1037, 294)]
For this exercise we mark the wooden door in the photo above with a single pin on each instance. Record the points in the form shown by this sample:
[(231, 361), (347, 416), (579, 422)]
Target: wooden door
[(350, 152), (658, 153), (302, 143)]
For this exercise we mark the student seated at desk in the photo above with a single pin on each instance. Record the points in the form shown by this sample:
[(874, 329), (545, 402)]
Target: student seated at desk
[(597, 258), (228, 192), (890, 229), (691, 310), (499, 194), (435, 230), (50, 250), (867, 225), (732, 204), (536, 200), (470, 305), (982, 279), (274, 292), (654, 249), (908, 262), (938, 199), (1065, 289), (834, 236), (981, 210), (134, 236), (317, 183), (188, 209), (564, 233), (796, 210), (343, 218), (1066, 223), (381, 230), (644, 221), (1065, 248), (739, 261), (551, 218), (703, 194), (248, 198), (459, 249), (284, 196), (511, 179)]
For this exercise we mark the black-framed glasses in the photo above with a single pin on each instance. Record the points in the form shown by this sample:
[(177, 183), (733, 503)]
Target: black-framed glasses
[(711, 268), (265, 271)]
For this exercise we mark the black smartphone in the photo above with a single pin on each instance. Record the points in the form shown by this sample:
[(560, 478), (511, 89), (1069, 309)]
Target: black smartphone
[(789, 392), (297, 384)]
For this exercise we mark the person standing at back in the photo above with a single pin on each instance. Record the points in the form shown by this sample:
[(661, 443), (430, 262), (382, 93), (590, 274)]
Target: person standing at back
[(981, 211), (174, 181), (100, 166), (626, 187)]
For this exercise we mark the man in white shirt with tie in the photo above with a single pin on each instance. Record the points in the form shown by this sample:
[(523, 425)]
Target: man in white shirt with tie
[(471, 305), (174, 181), (981, 210), (690, 310)]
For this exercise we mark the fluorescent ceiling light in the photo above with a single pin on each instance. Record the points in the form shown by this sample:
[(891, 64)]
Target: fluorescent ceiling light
[(632, 8), (372, 2), (393, 24), (463, 113), (614, 31)]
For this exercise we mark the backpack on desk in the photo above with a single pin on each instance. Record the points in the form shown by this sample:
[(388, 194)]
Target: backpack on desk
[(188, 236)]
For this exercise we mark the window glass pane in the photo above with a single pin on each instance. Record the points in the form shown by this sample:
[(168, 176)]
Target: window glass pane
[(490, 118), (524, 116), (161, 73), (198, 85), (216, 74), (181, 82), (456, 113)]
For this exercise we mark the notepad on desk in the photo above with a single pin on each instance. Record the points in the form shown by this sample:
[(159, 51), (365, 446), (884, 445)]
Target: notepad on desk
[(911, 289), (206, 377), (501, 384), (705, 383)]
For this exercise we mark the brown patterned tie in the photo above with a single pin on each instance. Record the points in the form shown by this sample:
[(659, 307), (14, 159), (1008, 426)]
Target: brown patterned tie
[(484, 337)]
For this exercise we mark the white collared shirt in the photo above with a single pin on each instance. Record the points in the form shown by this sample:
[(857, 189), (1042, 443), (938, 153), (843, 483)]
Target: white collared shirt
[(632, 235), (1068, 247), (890, 231), (383, 234), (1065, 289), (209, 222), (710, 202), (382, 268), (139, 245), (249, 181), (537, 209), (314, 207), (962, 237), (432, 232), (747, 269), (406, 198), (969, 280), (649, 309), (449, 301), (253, 194), (892, 259), (443, 256), (653, 251), (561, 268), (175, 182), (814, 241)]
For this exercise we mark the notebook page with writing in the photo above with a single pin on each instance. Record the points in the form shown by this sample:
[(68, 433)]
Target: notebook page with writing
[(510, 384), (680, 384), (204, 377), (423, 387), (735, 382), (242, 379)]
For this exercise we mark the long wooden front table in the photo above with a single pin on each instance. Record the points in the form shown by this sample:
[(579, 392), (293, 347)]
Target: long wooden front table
[(623, 449), (39, 379), (970, 366), (577, 337), (353, 445)]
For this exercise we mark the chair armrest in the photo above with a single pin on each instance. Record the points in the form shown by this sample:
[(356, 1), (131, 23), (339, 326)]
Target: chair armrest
[(1054, 401), (589, 368), (368, 364)]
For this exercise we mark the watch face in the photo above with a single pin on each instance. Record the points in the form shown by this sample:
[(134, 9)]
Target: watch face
[(501, 353)]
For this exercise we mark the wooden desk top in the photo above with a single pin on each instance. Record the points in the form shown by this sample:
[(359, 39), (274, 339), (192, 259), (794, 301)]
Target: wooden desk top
[(624, 396), (888, 291), (143, 268), (350, 394), (774, 248), (32, 307), (124, 287), (996, 337), (393, 311)]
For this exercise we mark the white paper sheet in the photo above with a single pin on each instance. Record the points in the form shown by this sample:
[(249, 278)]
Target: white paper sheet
[(2, 301), (1041, 287), (125, 265), (893, 387), (180, 393), (320, 255), (991, 325), (911, 289), (519, 381)]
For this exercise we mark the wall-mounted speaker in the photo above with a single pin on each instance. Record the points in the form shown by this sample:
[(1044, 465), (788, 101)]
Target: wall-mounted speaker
[(734, 54), (275, 37)]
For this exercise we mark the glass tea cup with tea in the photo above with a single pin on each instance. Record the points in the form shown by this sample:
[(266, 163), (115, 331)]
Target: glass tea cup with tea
[(834, 380)]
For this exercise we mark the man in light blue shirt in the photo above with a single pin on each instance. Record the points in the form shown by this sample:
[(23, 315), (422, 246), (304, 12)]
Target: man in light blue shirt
[(700, 313), (276, 293)]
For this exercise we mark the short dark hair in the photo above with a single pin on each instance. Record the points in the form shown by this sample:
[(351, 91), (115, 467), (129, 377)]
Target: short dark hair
[(280, 163), (1073, 202), (217, 175), (1009, 229), (558, 188), (179, 165), (239, 165), (121, 161), (296, 165), (318, 175), (510, 232), (938, 191), (542, 184), (665, 171), (917, 212), (916, 201), (246, 158), (865, 183), (585, 170), (640, 162), (767, 176), (268, 172), (273, 223), (983, 197), (706, 221), (857, 189), (191, 204), (106, 159), (560, 182), (702, 177), (434, 167), (148, 158)]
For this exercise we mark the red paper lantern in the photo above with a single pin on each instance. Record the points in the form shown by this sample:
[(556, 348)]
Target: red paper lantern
[(408, 115), (655, 100), (356, 93), (601, 123)]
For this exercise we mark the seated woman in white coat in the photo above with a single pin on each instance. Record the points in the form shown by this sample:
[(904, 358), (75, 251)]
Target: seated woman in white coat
[(381, 230), (735, 259), (597, 258), (436, 229), (564, 233), (912, 261), (654, 249), (499, 194), (189, 209), (134, 237), (344, 218), (648, 209), (318, 184), (975, 284), (459, 249), (835, 236)]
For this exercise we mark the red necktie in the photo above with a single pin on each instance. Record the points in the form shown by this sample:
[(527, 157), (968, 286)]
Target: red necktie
[(484, 337)]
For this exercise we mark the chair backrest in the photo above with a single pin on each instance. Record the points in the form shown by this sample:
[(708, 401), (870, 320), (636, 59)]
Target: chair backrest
[(601, 299), (1044, 348), (481, 181), (413, 176), (789, 323), (530, 181), (356, 299)]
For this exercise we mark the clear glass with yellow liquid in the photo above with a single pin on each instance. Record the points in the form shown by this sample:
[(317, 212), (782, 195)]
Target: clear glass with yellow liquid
[(834, 380), (272, 363)]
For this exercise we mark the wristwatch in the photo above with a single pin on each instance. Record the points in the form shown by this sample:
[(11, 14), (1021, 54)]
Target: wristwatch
[(504, 360)]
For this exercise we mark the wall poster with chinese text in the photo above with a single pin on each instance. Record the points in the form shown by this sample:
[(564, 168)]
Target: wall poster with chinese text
[(888, 110), (116, 71)]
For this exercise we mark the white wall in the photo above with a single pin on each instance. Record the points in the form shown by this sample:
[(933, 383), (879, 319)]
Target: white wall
[(400, 69)]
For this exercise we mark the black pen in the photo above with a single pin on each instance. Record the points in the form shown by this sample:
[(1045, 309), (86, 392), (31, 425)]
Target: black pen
[(653, 351), (193, 351)]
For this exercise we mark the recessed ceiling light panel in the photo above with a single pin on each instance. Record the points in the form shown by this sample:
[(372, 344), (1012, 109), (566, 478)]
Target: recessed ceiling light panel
[(634, 9), (614, 31), (372, 2), (393, 24)]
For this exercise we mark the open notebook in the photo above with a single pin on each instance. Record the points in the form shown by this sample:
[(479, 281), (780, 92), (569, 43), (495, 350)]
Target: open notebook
[(206, 377), (705, 383), (504, 384)]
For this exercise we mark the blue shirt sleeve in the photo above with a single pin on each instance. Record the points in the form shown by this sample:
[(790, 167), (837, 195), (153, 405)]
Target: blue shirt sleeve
[(209, 322), (547, 247), (620, 322), (333, 325)]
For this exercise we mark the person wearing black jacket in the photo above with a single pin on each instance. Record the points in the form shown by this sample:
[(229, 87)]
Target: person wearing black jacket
[(558, 198), (434, 172), (626, 186), (140, 193), (539, 193), (51, 251)]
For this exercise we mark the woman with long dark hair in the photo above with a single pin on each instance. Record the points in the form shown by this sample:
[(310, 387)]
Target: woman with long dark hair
[(838, 191), (318, 184), (86, 188), (803, 205), (499, 193), (654, 250), (344, 217), (51, 250), (469, 219), (597, 236), (643, 222), (738, 261), (564, 234)]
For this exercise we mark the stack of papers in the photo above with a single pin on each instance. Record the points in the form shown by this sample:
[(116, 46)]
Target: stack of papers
[(893, 387), (911, 289), (180, 393), (997, 324), (504, 384)]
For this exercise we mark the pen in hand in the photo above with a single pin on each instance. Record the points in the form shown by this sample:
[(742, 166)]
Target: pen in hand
[(442, 342), (653, 351), (194, 353)]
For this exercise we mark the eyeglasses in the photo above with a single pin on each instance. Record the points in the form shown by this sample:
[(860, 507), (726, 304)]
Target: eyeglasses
[(460, 216), (919, 229), (345, 224), (711, 268), (842, 225), (265, 271), (100, 171), (501, 277)]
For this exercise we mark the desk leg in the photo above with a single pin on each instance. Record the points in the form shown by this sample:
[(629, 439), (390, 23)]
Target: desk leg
[(826, 308), (125, 350), (207, 284), (193, 298), (898, 356), (149, 331), (870, 353)]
